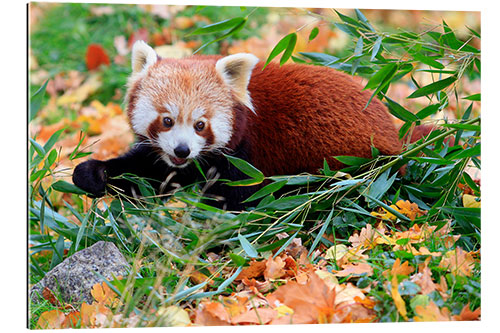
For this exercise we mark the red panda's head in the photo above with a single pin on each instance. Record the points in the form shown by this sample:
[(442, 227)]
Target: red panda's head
[(186, 107)]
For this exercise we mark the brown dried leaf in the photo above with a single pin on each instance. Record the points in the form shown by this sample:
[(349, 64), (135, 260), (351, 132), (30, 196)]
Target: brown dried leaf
[(274, 268), (255, 269)]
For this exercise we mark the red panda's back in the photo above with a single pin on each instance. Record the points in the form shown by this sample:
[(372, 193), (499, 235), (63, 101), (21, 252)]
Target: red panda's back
[(308, 113)]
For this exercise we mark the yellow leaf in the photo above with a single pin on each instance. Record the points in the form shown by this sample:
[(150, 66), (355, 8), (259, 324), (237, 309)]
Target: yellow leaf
[(336, 252), (471, 201), (328, 277), (396, 296), (81, 93), (283, 310), (174, 316)]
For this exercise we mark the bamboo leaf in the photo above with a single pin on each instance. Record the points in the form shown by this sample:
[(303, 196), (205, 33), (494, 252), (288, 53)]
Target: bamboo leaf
[(247, 247), (218, 26), (433, 87)]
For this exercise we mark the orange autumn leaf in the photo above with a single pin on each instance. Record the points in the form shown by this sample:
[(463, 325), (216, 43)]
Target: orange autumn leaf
[(355, 269), (51, 319), (255, 316), (431, 312), (198, 277), (396, 296), (367, 236), (274, 268), (96, 56), (424, 278), (103, 294), (312, 302), (255, 269), (458, 262), (234, 305), (409, 209), (217, 310), (401, 269), (467, 315)]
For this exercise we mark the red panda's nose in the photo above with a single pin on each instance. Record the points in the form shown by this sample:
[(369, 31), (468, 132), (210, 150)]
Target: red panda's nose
[(182, 151)]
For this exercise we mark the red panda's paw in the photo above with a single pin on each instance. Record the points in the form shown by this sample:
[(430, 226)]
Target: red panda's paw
[(91, 177)]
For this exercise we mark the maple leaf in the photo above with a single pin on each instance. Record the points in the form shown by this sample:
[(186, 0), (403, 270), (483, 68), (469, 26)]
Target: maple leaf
[(255, 269), (274, 268), (367, 236), (467, 315), (103, 295), (96, 56), (355, 269), (431, 312), (424, 278), (409, 209), (312, 302), (458, 262)]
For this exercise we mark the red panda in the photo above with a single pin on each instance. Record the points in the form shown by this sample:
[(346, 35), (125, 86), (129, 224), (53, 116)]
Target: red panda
[(283, 120)]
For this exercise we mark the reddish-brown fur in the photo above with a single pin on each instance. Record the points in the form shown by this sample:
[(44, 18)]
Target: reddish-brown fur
[(320, 113)]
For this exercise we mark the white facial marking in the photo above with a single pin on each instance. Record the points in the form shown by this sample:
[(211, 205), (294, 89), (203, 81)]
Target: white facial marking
[(180, 134), (173, 109), (143, 115), (222, 128), (198, 113)]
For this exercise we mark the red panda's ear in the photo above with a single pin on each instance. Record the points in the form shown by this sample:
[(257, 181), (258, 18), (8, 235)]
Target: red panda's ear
[(236, 71), (143, 56)]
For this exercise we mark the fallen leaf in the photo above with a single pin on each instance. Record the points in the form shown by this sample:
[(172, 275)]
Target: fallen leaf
[(467, 315), (312, 302), (274, 268), (255, 316), (424, 278), (96, 56), (431, 312), (49, 296), (409, 209), (173, 316), (458, 262), (51, 319), (367, 236), (396, 296), (355, 269), (400, 269), (471, 201), (336, 252), (255, 269)]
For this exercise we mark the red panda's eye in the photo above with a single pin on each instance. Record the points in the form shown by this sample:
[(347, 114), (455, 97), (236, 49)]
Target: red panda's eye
[(199, 126), (168, 122)]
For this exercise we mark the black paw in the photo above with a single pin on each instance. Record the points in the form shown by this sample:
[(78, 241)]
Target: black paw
[(91, 177)]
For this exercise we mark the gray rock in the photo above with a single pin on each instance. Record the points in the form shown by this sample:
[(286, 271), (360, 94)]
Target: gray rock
[(72, 280)]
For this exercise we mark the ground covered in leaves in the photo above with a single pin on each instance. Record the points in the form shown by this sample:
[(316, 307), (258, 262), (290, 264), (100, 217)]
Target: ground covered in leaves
[(365, 245)]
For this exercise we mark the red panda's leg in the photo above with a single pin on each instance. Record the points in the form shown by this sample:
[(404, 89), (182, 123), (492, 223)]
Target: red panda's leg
[(94, 176)]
